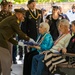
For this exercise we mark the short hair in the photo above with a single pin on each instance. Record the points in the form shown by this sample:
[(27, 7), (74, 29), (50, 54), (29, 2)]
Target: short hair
[(64, 22), (73, 22), (73, 6), (45, 25)]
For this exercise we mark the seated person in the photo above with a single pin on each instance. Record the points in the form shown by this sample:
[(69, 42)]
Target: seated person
[(45, 42), (60, 43), (58, 59), (71, 46)]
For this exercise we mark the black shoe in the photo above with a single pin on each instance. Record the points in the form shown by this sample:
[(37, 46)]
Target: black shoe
[(14, 62), (11, 69), (20, 58)]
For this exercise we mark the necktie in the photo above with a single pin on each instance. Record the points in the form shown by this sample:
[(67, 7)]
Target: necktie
[(34, 12)]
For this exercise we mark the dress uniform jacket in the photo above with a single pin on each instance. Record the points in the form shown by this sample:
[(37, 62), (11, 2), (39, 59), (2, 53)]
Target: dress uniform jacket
[(31, 24), (8, 28), (4, 14)]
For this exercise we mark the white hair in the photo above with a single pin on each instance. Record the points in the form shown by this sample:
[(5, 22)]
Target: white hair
[(45, 25), (64, 22)]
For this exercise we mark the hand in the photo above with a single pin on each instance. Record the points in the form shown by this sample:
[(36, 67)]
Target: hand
[(29, 46), (20, 43), (31, 40), (59, 49), (44, 52), (37, 47), (64, 50)]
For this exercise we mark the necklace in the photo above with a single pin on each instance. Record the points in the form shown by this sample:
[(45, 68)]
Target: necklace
[(34, 16), (59, 38), (41, 40)]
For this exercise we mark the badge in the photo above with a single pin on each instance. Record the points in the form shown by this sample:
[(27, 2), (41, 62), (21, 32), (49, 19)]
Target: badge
[(18, 21), (30, 17)]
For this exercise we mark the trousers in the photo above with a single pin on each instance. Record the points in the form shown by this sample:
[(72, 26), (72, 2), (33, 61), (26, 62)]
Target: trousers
[(28, 62), (5, 61), (37, 65)]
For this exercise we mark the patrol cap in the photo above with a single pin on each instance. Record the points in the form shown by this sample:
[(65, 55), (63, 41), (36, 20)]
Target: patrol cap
[(73, 6), (4, 3), (30, 1), (55, 6), (20, 10)]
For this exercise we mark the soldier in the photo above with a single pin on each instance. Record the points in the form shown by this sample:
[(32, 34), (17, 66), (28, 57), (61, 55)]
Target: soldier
[(31, 24), (10, 5), (8, 28), (32, 20), (3, 14), (4, 10)]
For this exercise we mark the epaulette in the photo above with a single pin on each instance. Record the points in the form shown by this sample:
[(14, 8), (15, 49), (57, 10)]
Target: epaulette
[(12, 14), (18, 21)]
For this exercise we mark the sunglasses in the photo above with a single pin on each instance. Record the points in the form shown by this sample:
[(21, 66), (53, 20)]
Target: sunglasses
[(10, 5)]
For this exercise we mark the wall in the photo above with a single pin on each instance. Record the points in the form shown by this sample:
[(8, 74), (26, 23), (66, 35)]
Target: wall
[(65, 5)]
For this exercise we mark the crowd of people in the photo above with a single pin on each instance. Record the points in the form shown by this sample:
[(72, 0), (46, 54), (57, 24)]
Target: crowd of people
[(47, 35)]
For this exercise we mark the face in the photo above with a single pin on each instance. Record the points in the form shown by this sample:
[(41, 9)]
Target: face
[(10, 6), (4, 7), (42, 30), (32, 5), (21, 17), (73, 28), (43, 12), (55, 11), (73, 9), (61, 28)]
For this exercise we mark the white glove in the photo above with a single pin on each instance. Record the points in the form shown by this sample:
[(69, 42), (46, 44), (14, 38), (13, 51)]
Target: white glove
[(20, 43), (31, 40)]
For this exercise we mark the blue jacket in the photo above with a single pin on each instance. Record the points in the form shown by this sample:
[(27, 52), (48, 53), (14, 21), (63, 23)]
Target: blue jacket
[(46, 43)]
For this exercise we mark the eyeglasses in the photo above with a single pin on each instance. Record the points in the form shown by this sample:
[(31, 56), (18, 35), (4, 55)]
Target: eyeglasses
[(10, 5)]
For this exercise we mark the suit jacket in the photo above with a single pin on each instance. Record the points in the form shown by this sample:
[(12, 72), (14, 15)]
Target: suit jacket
[(8, 28), (71, 45), (30, 25)]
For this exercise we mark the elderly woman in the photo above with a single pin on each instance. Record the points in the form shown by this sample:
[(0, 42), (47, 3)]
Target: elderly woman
[(60, 43), (45, 42), (71, 46)]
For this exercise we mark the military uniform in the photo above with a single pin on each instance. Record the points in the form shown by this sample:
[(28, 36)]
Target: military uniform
[(4, 14), (8, 28), (31, 24)]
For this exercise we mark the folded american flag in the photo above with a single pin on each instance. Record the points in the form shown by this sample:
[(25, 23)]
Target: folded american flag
[(30, 43)]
